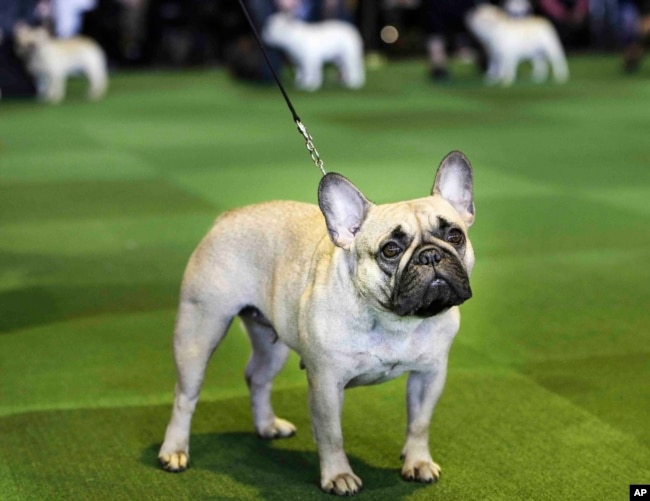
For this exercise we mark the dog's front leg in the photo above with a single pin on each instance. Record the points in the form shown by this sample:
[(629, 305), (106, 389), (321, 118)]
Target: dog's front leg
[(423, 391), (325, 405), (540, 68), (508, 69), (494, 68), (56, 88)]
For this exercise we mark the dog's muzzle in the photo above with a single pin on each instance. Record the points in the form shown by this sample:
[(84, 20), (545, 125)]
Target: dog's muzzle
[(433, 281)]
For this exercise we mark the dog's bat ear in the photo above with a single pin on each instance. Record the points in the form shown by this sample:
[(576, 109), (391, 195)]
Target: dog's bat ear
[(344, 208), (454, 182)]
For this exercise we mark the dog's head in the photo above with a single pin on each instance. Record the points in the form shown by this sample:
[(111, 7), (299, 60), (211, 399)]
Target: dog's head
[(28, 38), (483, 19), (279, 30), (410, 258)]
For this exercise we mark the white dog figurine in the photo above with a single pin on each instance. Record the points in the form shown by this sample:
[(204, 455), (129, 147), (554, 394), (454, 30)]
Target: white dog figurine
[(509, 41), (311, 45), (51, 61)]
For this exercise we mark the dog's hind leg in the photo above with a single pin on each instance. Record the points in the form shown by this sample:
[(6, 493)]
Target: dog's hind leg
[(198, 332), (351, 67), (508, 70), (493, 72), (309, 75), (559, 65), (555, 53), (540, 68), (56, 89), (268, 357), (97, 85), (97, 77)]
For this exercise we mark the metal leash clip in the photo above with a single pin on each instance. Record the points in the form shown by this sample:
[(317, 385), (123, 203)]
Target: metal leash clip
[(309, 143)]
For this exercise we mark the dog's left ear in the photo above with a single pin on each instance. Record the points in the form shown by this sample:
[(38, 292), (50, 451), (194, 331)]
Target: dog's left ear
[(344, 208), (454, 182)]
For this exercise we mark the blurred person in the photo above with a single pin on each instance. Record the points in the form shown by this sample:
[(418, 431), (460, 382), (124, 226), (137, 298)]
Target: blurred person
[(635, 25), (445, 23), (137, 32), (603, 22), (628, 19), (133, 28), (177, 32), (570, 18), (67, 16), (15, 81), (316, 10), (517, 8), (243, 56)]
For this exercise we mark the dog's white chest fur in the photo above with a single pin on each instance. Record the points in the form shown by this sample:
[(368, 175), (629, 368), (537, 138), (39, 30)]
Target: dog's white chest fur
[(384, 354)]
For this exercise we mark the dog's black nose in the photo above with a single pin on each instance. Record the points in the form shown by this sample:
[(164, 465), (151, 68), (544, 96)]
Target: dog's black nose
[(430, 256)]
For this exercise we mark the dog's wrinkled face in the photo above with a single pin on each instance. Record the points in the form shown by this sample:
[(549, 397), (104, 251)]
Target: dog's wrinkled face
[(482, 20), (279, 29), (26, 38), (410, 258), (414, 258)]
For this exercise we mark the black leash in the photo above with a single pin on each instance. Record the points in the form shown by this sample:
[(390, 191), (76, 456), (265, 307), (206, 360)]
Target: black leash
[(309, 141)]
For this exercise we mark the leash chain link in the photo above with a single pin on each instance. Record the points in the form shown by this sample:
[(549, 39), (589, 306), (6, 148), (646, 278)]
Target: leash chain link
[(309, 143)]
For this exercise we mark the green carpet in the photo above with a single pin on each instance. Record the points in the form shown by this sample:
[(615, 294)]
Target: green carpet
[(101, 204)]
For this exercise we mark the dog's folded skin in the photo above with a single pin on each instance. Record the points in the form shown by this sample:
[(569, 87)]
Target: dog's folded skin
[(362, 292)]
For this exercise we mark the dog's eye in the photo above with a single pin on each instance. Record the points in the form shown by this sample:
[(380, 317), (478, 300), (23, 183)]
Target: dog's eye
[(455, 237), (391, 250)]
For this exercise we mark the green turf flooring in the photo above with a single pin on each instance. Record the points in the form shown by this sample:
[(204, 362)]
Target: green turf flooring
[(101, 204)]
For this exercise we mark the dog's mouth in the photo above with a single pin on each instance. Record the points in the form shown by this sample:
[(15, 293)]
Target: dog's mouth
[(438, 297), (425, 290)]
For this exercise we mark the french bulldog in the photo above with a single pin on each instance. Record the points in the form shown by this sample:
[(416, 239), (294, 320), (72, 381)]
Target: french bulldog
[(51, 61), (310, 46), (362, 292), (510, 40)]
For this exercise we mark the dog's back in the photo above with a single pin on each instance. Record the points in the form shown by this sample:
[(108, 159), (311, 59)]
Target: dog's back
[(84, 55), (218, 262)]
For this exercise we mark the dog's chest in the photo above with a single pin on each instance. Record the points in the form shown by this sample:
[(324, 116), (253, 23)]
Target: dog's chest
[(379, 372), (384, 356)]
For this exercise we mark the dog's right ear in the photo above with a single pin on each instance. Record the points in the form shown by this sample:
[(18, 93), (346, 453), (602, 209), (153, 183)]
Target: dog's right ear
[(454, 182), (344, 208)]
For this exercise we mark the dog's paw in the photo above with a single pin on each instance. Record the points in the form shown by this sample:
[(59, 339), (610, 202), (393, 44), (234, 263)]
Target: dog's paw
[(343, 484), (279, 428), (421, 471), (174, 462)]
